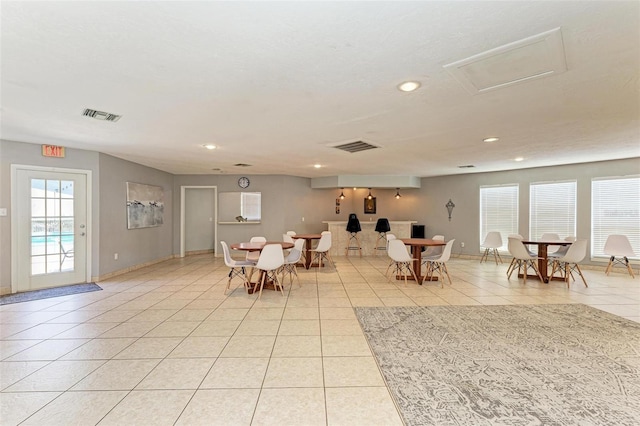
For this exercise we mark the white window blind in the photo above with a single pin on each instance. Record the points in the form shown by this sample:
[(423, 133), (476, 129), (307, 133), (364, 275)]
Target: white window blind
[(251, 205), (615, 209), (499, 211), (552, 208)]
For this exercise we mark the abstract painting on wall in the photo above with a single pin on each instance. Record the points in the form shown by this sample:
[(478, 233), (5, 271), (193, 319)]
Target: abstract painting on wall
[(145, 205)]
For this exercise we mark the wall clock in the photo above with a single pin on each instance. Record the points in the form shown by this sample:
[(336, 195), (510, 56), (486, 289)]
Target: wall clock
[(243, 182)]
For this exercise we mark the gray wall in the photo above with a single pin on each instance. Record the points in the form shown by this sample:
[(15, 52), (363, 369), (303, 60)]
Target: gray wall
[(31, 154), (134, 246), (464, 191), (285, 201)]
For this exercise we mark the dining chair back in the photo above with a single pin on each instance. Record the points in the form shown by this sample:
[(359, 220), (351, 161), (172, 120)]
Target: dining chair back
[(521, 258), (551, 236), (400, 259), (294, 256), (619, 249), (569, 262), (433, 250), (270, 261), (237, 267), (287, 238), (253, 256), (492, 242), (291, 233)]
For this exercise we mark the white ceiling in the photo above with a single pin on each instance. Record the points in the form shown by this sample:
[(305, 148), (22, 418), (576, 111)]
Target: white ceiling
[(276, 84)]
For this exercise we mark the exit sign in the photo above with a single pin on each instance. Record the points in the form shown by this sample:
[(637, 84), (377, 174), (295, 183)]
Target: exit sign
[(53, 151)]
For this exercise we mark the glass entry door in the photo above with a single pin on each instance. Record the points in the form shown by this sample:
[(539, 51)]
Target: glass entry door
[(51, 246)]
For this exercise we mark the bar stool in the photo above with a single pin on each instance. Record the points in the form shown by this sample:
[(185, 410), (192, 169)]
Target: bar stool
[(382, 227), (353, 227)]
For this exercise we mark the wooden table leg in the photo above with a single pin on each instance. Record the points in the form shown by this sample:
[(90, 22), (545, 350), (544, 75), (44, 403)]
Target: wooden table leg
[(307, 258), (542, 262)]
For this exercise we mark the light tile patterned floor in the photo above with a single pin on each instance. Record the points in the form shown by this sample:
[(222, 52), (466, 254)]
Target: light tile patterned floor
[(164, 345)]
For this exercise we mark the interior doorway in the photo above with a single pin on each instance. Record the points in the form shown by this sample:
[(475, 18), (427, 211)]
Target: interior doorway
[(198, 219)]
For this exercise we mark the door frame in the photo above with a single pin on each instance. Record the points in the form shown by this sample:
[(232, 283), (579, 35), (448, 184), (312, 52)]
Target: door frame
[(183, 190), (14, 215)]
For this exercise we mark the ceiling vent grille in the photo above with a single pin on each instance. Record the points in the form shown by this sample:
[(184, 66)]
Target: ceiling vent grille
[(101, 115), (466, 166), (242, 165), (356, 146)]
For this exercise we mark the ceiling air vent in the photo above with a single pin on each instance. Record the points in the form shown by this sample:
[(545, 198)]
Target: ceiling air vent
[(242, 165), (101, 115), (466, 166), (356, 146)]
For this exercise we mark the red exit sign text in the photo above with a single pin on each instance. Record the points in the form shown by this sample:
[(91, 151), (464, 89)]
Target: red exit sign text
[(53, 151)]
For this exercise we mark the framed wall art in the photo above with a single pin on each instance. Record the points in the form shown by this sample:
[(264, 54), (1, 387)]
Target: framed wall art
[(145, 205)]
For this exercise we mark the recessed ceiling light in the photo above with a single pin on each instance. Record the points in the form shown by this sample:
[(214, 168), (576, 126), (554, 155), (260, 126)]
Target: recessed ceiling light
[(518, 159), (491, 139), (317, 166), (209, 146), (409, 86)]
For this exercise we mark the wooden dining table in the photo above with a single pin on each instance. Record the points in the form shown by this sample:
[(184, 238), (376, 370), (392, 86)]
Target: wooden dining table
[(416, 253), (543, 257), (251, 246), (308, 241)]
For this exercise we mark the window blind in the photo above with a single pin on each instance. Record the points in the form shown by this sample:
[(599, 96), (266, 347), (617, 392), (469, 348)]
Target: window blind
[(499, 211), (251, 205), (615, 209), (552, 208)]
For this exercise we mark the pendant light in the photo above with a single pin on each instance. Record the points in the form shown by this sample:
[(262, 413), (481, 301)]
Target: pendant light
[(369, 197), (342, 193), (398, 194)]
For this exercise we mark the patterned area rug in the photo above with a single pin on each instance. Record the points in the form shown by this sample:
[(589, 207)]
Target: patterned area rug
[(46, 293), (508, 365)]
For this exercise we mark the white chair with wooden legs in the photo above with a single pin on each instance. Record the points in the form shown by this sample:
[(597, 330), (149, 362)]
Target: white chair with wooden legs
[(401, 260), (618, 246), (513, 261), (270, 261), (294, 256), (237, 267), (252, 256), (522, 259), (439, 263), (322, 250), (569, 262), (492, 242)]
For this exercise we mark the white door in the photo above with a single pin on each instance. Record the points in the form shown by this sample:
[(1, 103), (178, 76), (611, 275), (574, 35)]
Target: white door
[(51, 229)]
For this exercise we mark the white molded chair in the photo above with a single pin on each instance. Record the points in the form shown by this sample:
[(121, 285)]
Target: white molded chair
[(438, 263), (551, 236), (492, 242), (569, 262), (433, 250), (562, 250), (287, 238), (322, 250), (254, 255), (521, 258), (291, 260), (401, 259), (618, 246), (291, 233), (237, 267), (270, 261)]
